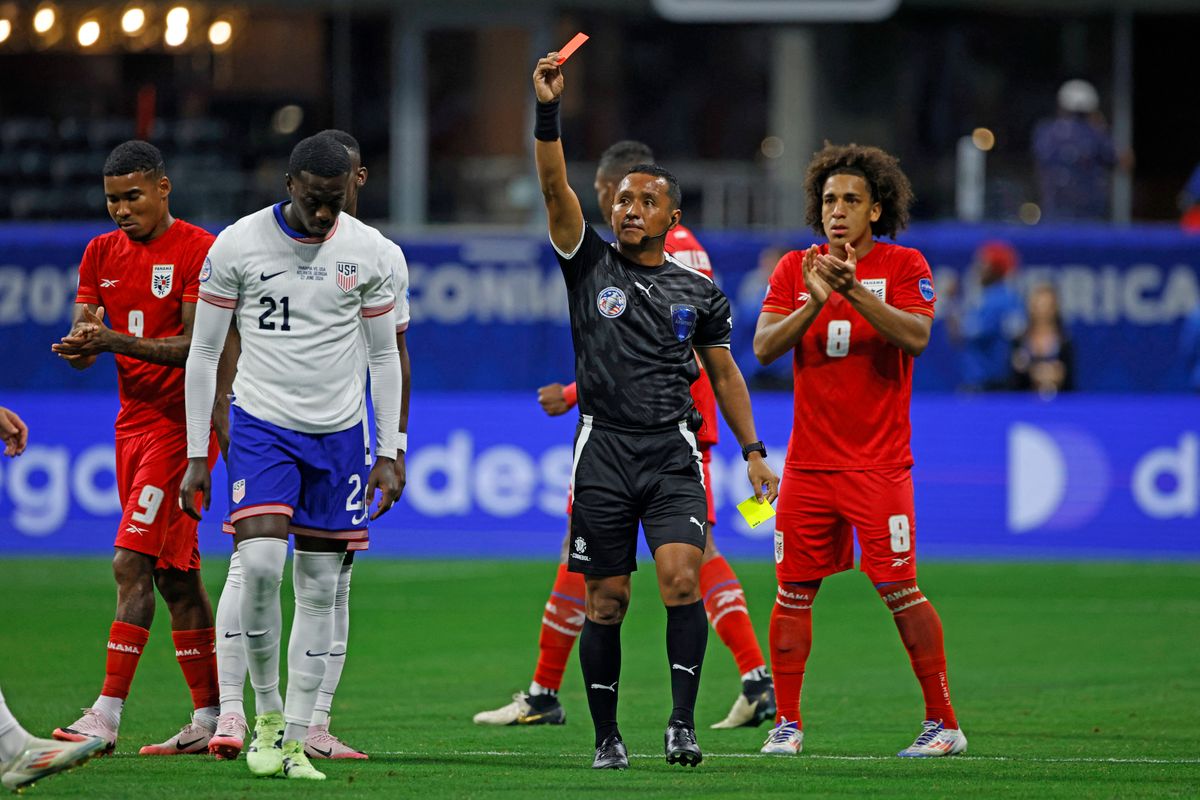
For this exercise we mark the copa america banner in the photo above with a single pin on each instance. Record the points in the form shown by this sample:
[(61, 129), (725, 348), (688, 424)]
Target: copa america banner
[(1124, 293), (1018, 477)]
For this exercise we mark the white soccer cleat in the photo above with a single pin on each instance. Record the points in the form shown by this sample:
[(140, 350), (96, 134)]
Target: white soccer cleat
[(785, 739), (320, 743), (192, 738), (936, 740), (226, 743), (264, 757), (43, 757), (93, 724), (543, 709)]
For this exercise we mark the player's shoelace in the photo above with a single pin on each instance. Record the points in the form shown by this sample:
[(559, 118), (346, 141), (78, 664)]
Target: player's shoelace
[(932, 729), (782, 733)]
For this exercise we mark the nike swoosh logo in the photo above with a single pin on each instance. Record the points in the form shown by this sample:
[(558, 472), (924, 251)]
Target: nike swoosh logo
[(252, 635), (530, 718), (311, 654), (186, 745), (262, 276), (229, 635), (337, 655), (325, 753)]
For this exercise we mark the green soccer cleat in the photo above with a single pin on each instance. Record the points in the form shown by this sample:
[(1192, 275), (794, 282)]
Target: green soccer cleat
[(264, 757), (296, 765)]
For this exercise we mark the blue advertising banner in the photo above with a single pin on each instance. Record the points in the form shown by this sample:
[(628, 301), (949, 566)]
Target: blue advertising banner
[(1123, 292), (996, 476)]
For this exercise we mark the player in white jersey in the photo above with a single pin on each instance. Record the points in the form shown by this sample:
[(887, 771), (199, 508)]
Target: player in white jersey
[(226, 743), (308, 285)]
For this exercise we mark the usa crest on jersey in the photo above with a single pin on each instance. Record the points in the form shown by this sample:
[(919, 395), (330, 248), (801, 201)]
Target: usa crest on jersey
[(347, 276), (161, 279)]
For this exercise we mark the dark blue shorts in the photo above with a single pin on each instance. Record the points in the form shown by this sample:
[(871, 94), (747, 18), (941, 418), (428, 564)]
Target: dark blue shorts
[(316, 479)]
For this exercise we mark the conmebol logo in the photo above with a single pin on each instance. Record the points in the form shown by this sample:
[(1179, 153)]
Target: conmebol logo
[(1058, 478)]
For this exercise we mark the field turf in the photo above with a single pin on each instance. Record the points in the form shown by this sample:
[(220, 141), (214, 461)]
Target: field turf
[(1071, 680)]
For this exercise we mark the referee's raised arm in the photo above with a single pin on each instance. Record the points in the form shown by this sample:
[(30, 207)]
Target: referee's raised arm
[(563, 211)]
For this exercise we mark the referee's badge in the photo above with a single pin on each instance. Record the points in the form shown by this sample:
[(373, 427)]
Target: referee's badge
[(683, 320), (611, 302)]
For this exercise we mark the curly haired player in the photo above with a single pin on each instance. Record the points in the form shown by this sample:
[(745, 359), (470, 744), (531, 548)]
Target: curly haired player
[(855, 312)]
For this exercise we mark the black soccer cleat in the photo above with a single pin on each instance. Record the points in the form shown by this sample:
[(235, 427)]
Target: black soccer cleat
[(544, 709), (761, 693), (681, 747), (611, 754)]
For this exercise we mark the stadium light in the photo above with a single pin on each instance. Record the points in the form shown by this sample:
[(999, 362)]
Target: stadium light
[(175, 36), (5, 30), (133, 20), (89, 33), (44, 19), (983, 138), (178, 17), (220, 32), (1030, 213)]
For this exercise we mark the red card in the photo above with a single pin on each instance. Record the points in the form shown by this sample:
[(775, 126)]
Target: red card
[(571, 46)]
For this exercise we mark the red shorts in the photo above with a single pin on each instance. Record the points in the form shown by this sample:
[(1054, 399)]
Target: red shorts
[(818, 509), (149, 468), (705, 460)]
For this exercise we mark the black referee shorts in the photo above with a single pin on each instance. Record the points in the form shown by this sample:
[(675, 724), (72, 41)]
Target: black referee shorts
[(620, 479)]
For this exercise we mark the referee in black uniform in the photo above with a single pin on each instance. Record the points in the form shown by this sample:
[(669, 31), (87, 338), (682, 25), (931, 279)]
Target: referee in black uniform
[(636, 318)]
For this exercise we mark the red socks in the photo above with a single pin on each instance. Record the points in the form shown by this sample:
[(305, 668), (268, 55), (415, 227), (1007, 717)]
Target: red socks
[(196, 652), (921, 632), (791, 642), (125, 644), (561, 624), (725, 604)]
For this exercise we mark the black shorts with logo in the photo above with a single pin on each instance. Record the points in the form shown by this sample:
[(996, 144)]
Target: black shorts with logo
[(621, 478)]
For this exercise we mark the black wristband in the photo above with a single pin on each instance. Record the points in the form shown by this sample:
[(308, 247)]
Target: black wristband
[(545, 129), (754, 447)]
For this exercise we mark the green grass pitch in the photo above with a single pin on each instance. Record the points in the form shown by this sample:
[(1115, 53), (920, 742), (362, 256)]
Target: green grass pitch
[(1071, 680)]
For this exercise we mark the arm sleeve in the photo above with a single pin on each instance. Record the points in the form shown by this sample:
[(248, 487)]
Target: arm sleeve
[(200, 373), (583, 257), (89, 287), (383, 361), (912, 288), (716, 325), (781, 289)]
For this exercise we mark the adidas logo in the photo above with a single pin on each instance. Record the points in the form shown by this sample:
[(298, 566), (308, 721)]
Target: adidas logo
[(124, 648)]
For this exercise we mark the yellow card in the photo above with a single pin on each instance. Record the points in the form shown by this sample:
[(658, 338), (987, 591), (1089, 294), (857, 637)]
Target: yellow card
[(754, 512)]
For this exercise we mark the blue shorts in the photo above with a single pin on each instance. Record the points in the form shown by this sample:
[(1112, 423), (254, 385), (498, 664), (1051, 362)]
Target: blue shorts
[(316, 479)]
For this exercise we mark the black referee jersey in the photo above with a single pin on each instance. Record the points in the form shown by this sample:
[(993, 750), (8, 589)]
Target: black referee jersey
[(634, 329)]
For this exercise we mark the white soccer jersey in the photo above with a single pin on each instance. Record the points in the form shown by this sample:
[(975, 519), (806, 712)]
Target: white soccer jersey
[(298, 305), (400, 283)]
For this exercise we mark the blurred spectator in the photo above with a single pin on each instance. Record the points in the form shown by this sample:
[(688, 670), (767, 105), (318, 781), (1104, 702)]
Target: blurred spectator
[(1043, 358), (1075, 157), (776, 376), (990, 318), (1189, 348), (1189, 203)]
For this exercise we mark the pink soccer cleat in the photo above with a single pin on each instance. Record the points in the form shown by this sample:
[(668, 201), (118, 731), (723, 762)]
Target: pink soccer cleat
[(226, 743), (93, 724), (320, 743), (192, 738)]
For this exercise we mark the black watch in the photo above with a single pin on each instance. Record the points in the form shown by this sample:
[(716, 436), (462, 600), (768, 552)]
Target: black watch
[(754, 447)]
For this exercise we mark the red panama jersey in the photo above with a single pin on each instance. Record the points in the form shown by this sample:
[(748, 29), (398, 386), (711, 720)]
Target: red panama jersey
[(143, 288), (682, 246), (852, 386)]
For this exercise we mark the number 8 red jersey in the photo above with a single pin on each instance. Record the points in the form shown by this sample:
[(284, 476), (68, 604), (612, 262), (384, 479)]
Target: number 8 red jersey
[(852, 386), (143, 288)]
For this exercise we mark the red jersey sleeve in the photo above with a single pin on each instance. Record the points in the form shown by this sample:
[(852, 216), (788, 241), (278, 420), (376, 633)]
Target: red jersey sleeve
[(912, 289), (784, 289), (89, 284), (683, 246)]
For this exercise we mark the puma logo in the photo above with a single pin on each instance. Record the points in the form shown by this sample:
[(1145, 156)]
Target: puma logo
[(612, 688), (689, 670), (697, 523), (644, 288)]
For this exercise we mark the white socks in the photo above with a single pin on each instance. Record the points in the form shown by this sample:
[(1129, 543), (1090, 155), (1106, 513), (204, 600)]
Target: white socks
[(12, 736), (231, 650), (262, 563), (111, 707), (315, 578), (336, 659)]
